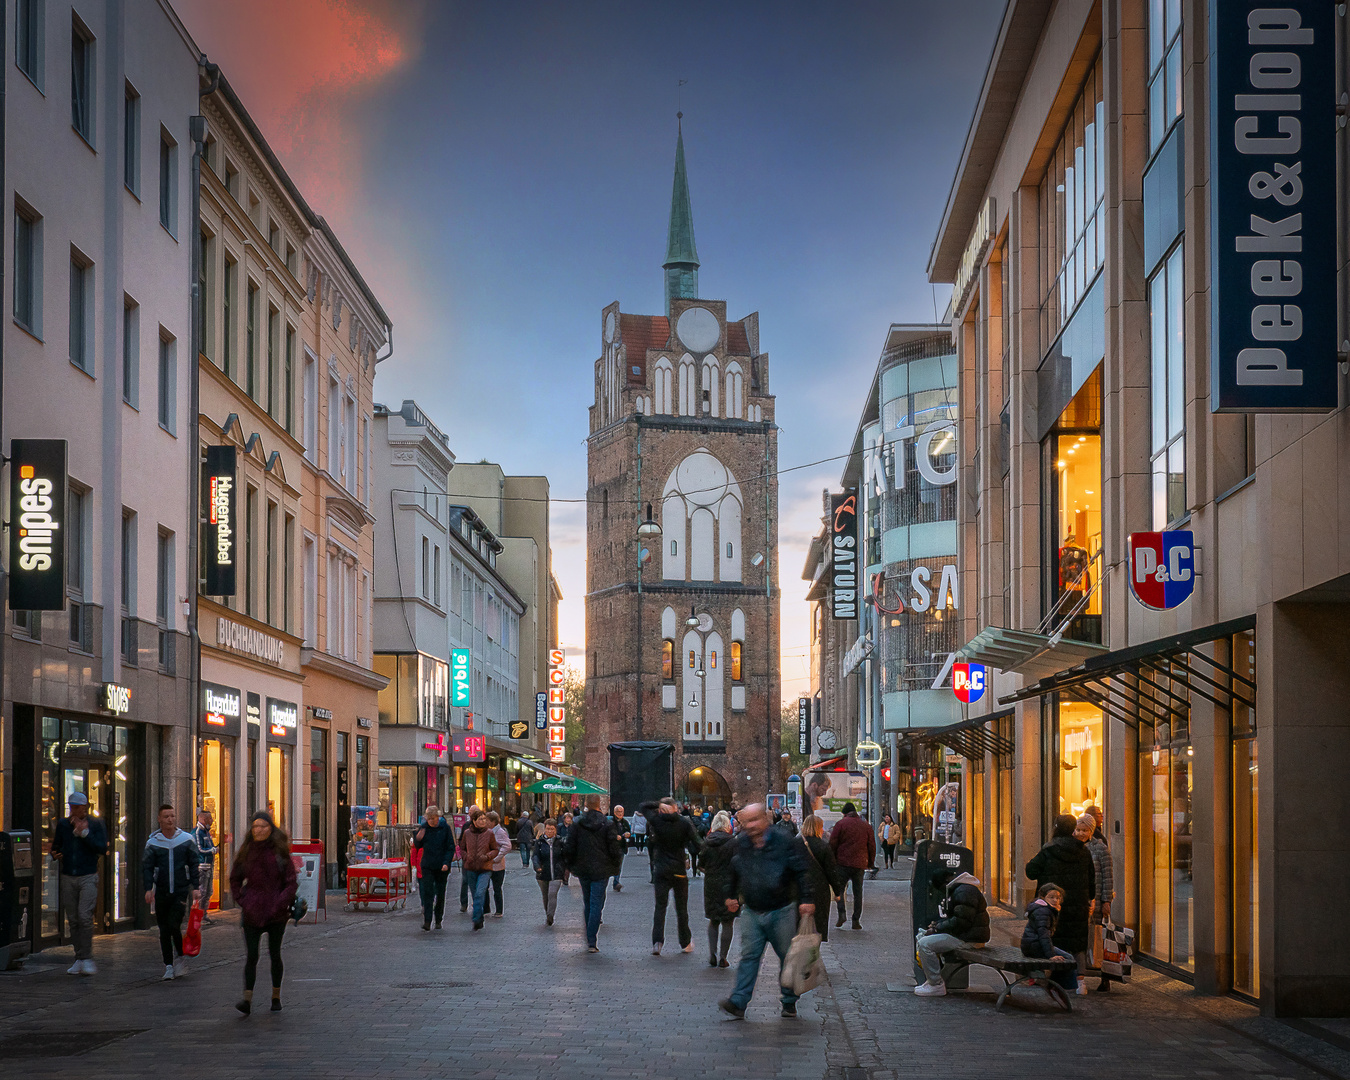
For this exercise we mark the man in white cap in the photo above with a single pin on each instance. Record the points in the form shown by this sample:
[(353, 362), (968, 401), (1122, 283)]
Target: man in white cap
[(78, 844)]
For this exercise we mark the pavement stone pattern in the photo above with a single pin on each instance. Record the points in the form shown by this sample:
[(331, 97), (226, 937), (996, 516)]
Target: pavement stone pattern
[(370, 993)]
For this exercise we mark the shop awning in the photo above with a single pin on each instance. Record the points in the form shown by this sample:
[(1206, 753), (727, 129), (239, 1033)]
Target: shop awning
[(971, 738), (1151, 683), (567, 785), (1027, 653)]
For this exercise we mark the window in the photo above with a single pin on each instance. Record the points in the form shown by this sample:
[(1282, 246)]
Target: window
[(232, 180), (27, 269), (269, 582), (273, 358), (334, 428), (205, 263), (426, 568), (273, 236), (131, 140), (292, 261), (164, 598), (362, 770), (227, 293), (311, 570), (310, 410), (168, 182), (168, 382), (287, 546), (81, 312), (29, 34), (436, 575), (82, 82), (131, 350), (251, 342), (736, 661), (250, 534), (668, 660), (288, 380), (1072, 505), (1166, 301), (81, 614), (1164, 66), (349, 444), (128, 586)]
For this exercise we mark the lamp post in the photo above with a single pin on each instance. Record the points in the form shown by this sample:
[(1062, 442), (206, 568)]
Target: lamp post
[(647, 529)]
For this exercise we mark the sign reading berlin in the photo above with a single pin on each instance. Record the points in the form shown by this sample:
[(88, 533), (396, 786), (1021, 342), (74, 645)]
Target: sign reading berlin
[(37, 518), (1274, 230), (1162, 567), (459, 679), (844, 556), (222, 519)]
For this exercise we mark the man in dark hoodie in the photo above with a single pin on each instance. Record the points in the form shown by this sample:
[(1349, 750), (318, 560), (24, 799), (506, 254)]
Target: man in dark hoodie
[(592, 852), (963, 920), (670, 837)]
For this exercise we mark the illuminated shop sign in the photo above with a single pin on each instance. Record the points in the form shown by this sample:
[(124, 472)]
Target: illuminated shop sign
[(222, 519), (519, 729), (1274, 223), (803, 725), (222, 708), (282, 720), (557, 708), (968, 681), (467, 748), (1162, 567), (37, 519), (460, 679), (844, 556), (541, 710), (116, 699)]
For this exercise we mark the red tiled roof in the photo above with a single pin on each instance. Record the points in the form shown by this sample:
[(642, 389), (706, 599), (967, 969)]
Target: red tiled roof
[(737, 342), (640, 333)]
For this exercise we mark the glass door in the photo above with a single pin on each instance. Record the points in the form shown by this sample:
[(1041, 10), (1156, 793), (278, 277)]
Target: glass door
[(216, 771)]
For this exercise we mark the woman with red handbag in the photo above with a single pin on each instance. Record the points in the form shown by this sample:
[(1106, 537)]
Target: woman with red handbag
[(264, 885)]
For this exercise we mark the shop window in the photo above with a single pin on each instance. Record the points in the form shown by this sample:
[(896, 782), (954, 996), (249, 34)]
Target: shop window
[(318, 784), (1073, 510), (668, 660), (1164, 66), (1166, 888), (278, 784), (736, 661), (1245, 846), (1167, 309), (1081, 755), (362, 784)]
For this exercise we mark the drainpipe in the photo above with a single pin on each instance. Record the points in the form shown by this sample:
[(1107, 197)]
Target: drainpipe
[(5, 818)]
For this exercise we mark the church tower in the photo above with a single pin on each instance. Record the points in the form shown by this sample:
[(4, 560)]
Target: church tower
[(682, 619)]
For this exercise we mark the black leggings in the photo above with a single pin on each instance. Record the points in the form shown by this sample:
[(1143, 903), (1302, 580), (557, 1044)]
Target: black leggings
[(727, 926), (252, 939), (498, 876), (664, 887), (170, 911)]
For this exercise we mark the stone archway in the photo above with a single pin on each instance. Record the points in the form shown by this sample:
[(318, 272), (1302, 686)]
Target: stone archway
[(704, 786)]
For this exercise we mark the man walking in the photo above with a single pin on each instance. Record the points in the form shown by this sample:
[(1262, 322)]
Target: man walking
[(674, 844), (525, 838), (624, 828), (78, 844), (855, 850), (206, 847), (436, 841), (768, 874), (592, 852), (169, 871)]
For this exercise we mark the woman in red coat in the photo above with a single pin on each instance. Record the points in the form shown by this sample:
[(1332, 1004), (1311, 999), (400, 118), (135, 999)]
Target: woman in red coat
[(263, 883)]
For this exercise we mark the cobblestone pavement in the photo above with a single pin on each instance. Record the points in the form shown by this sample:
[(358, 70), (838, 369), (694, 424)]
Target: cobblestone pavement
[(370, 994)]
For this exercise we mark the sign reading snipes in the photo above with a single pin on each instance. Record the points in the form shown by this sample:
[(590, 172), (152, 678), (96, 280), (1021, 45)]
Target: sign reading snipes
[(1162, 567), (37, 517)]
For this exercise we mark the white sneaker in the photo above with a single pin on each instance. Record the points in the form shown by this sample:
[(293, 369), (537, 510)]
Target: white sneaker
[(76, 968), (929, 989), (90, 968), (1082, 988), (168, 973), (179, 966)]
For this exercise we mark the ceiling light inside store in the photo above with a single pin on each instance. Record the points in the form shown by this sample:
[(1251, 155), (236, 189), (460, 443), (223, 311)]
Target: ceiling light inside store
[(1088, 491), (1061, 464)]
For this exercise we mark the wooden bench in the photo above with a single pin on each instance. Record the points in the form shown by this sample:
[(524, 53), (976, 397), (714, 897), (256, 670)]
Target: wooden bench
[(1015, 969)]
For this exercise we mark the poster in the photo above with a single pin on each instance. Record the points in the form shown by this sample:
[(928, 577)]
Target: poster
[(309, 874), (824, 794), (362, 846)]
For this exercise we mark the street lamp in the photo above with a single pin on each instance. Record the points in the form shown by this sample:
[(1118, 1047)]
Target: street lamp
[(645, 530)]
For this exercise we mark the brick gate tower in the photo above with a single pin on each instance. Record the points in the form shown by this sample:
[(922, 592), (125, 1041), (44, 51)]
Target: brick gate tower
[(682, 624)]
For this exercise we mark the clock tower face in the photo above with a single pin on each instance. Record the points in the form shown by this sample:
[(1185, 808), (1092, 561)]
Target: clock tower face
[(698, 329)]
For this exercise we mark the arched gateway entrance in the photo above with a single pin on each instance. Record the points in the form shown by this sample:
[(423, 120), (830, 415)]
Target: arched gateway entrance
[(704, 786)]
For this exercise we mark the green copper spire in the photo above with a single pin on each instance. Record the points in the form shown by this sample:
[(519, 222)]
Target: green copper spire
[(681, 263)]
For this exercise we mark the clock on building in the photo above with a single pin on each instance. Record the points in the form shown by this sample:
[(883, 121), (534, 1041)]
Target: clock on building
[(825, 739)]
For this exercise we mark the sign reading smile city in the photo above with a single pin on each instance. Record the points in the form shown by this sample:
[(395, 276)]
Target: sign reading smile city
[(968, 681), (37, 518), (459, 678), (1162, 567)]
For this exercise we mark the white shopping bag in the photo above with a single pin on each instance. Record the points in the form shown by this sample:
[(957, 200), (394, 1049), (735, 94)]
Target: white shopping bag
[(803, 969)]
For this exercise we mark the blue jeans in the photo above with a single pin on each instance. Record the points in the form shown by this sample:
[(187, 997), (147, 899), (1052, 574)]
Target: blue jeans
[(478, 881), (775, 928), (525, 853), (592, 903)]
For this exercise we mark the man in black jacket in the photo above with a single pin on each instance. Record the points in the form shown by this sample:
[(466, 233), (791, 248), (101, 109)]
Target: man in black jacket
[(671, 837), (78, 845), (437, 844), (769, 873), (963, 921), (592, 852)]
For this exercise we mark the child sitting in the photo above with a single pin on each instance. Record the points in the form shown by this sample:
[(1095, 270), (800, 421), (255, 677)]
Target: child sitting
[(1042, 914)]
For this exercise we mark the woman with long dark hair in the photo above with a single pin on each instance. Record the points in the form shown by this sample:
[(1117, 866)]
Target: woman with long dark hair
[(263, 883)]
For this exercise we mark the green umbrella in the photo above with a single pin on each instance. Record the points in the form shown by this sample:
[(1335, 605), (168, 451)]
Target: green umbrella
[(574, 785)]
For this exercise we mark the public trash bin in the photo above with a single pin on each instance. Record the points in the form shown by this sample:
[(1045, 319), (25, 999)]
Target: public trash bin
[(934, 859), (16, 896)]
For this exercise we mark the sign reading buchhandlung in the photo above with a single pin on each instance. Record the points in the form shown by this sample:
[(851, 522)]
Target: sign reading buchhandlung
[(844, 556), (222, 518), (37, 520), (1273, 179)]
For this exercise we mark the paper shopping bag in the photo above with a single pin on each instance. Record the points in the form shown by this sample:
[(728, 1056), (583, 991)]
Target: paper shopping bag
[(803, 968)]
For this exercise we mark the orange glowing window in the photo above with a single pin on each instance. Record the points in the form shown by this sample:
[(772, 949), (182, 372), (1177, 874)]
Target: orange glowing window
[(667, 659), (735, 661)]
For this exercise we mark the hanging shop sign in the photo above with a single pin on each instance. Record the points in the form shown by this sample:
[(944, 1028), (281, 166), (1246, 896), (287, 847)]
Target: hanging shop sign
[(519, 729), (37, 525), (868, 754), (282, 719), (803, 725), (1274, 230), (221, 709), (541, 710), (115, 699), (968, 682), (557, 707), (253, 714), (844, 556), (557, 754), (1162, 567), (460, 680), (467, 748), (220, 478)]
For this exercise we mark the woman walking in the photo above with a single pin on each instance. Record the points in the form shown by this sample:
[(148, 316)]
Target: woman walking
[(716, 858), (480, 852), (499, 863), (1066, 862), (1104, 869), (826, 877), (890, 839), (263, 883)]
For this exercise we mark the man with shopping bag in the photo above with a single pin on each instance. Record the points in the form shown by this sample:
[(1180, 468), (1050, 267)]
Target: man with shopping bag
[(768, 875)]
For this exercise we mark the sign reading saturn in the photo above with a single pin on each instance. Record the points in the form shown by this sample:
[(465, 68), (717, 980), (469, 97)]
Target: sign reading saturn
[(1162, 567)]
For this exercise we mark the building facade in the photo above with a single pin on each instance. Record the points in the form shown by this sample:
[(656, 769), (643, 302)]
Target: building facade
[(1078, 238), (97, 339), (682, 626)]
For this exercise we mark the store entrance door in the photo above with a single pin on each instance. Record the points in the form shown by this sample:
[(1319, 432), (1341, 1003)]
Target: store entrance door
[(217, 785)]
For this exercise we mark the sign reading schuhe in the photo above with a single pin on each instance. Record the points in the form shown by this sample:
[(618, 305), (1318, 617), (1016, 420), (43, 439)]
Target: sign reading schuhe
[(1273, 235), (844, 556), (37, 525), (222, 519)]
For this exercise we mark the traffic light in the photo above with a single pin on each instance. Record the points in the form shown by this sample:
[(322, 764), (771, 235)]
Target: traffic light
[(886, 773)]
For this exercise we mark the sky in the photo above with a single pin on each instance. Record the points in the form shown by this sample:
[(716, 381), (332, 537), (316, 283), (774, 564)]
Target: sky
[(501, 171)]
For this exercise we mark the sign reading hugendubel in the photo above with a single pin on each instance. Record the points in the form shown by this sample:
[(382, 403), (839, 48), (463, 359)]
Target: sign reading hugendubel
[(222, 518), (37, 525), (844, 556), (1273, 233)]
